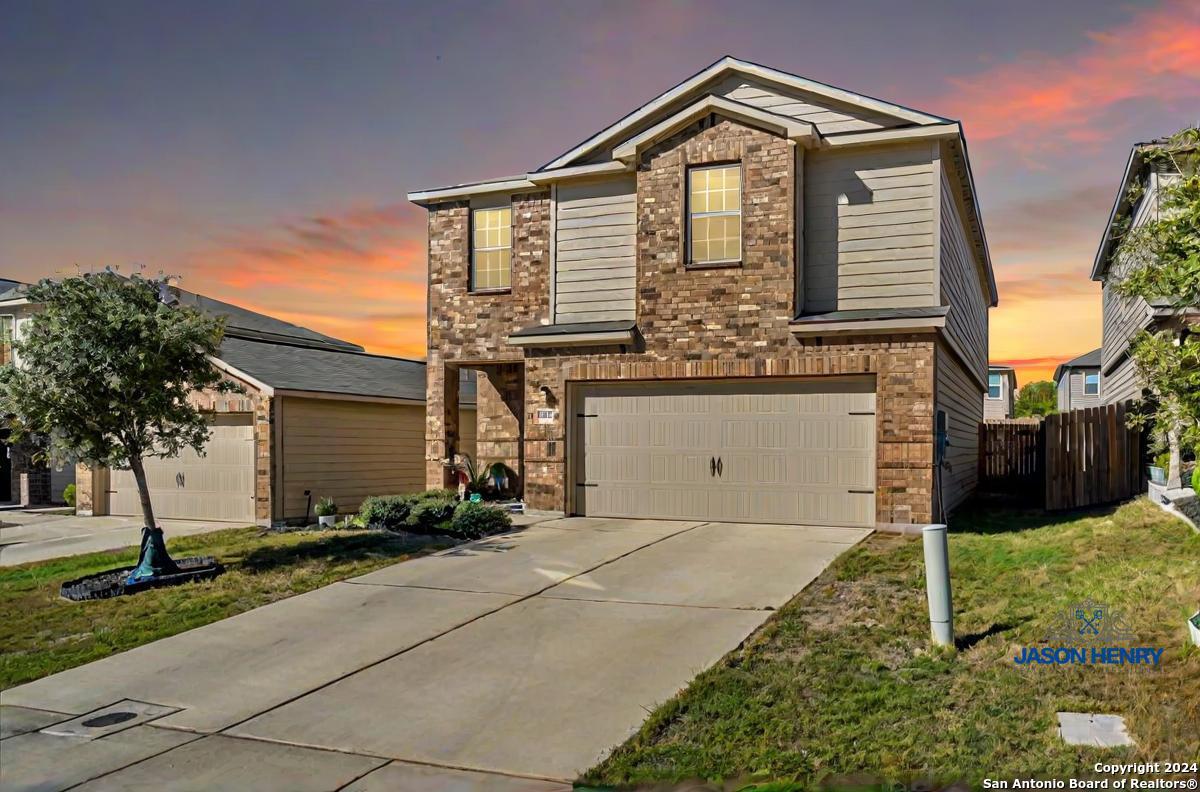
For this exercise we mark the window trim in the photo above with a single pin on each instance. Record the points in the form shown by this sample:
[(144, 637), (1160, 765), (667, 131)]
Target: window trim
[(687, 215), (1087, 374), (999, 385), (472, 250)]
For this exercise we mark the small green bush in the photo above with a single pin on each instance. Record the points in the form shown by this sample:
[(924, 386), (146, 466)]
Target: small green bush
[(428, 514), (69, 495), (386, 511), (326, 507), (1196, 479), (474, 521)]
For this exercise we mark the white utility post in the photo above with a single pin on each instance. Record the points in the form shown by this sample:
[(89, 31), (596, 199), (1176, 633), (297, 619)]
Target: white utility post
[(937, 584)]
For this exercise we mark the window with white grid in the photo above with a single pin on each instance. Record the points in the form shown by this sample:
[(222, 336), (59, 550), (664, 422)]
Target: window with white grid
[(491, 248), (715, 214)]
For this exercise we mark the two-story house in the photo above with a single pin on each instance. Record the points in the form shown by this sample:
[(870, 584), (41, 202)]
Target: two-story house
[(1001, 395), (756, 298), (1137, 202), (1078, 382)]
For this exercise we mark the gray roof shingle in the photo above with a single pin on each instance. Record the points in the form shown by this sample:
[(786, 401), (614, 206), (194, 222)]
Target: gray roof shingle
[(306, 368)]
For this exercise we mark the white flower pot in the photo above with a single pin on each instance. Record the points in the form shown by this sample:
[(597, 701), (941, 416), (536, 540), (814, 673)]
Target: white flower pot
[(327, 520)]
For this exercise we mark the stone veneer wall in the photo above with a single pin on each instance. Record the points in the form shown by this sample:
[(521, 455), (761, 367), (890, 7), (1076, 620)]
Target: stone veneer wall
[(695, 323)]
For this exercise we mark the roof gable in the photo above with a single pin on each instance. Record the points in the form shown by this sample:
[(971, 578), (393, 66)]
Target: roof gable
[(830, 109)]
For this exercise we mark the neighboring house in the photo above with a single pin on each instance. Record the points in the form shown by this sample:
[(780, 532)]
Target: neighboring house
[(751, 299), (1001, 393), (319, 417), (1078, 382), (1125, 316)]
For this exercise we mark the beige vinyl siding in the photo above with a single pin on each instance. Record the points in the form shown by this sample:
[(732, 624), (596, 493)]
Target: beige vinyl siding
[(467, 431), (958, 394), (828, 116), (998, 409), (348, 450), (1070, 391), (876, 250), (596, 251), (1120, 384), (1123, 316), (961, 286)]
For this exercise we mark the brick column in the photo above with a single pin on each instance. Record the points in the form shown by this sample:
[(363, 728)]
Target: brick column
[(441, 422), (545, 443)]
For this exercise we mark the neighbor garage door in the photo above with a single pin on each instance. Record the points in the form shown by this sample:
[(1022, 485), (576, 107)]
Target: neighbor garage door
[(768, 452), (217, 486)]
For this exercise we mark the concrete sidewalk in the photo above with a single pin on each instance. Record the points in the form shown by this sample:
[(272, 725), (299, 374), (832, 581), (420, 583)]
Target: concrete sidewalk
[(38, 535), (513, 663)]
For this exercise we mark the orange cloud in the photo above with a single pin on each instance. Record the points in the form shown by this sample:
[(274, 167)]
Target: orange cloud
[(358, 275), (1156, 54)]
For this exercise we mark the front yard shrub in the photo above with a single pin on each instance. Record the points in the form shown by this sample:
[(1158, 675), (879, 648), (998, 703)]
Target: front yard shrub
[(386, 511), (474, 521), (69, 495), (428, 513), (1196, 479)]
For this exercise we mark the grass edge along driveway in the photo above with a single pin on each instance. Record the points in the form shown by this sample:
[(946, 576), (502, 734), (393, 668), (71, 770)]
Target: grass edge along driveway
[(42, 634), (842, 685)]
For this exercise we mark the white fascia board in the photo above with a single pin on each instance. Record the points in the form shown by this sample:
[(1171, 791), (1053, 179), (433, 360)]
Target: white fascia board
[(928, 132), (333, 396), (927, 323), (783, 125), (262, 387), (579, 339), (515, 184), (729, 65), (577, 172)]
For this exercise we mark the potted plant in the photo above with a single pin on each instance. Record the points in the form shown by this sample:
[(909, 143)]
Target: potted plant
[(1194, 627), (326, 512)]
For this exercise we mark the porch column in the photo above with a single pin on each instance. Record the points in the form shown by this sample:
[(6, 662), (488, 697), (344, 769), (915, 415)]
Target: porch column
[(501, 417), (441, 422)]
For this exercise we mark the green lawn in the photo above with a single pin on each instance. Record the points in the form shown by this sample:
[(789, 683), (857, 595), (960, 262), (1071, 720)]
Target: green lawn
[(842, 681), (40, 633)]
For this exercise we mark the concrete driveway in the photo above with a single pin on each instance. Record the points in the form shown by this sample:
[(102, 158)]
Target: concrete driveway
[(512, 663), (27, 536)]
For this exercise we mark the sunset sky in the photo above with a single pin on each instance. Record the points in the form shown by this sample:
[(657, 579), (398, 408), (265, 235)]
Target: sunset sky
[(262, 150)]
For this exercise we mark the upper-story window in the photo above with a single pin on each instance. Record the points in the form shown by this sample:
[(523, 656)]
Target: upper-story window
[(491, 249), (715, 214), (995, 385), (1091, 383), (6, 338)]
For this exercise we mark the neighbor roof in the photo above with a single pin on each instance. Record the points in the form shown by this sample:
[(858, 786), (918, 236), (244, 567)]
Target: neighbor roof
[(291, 367), (1133, 167), (1086, 360), (6, 286), (242, 322)]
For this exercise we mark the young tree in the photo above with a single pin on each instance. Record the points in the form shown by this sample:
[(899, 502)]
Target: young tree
[(1037, 399), (1163, 259), (104, 375)]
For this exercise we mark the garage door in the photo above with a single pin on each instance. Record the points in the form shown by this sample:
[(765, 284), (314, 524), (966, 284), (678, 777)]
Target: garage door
[(218, 486), (770, 452)]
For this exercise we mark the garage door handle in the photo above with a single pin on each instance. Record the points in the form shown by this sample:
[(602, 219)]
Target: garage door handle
[(720, 467), (712, 466), (861, 492)]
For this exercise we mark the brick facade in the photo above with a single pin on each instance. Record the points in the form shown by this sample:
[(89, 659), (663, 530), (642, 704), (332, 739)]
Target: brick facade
[(723, 322)]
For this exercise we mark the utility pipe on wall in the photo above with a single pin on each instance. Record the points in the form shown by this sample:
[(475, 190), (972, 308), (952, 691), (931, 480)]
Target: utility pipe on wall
[(937, 584)]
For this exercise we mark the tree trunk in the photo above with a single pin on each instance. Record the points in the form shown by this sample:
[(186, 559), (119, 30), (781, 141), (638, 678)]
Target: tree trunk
[(139, 475), (1175, 466)]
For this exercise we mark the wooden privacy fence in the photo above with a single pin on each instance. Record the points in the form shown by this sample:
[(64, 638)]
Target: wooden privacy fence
[(1010, 457), (1091, 457), (1069, 460)]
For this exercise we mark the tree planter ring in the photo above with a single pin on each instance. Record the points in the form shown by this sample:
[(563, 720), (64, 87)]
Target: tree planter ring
[(114, 582)]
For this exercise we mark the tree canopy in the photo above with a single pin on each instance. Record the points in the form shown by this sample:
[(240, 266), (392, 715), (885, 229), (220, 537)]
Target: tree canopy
[(1037, 399), (1162, 266), (105, 370)]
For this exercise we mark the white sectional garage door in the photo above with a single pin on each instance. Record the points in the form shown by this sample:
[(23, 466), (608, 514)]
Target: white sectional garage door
[(767, 452), (218, 486)]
